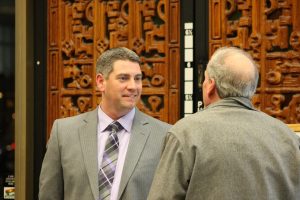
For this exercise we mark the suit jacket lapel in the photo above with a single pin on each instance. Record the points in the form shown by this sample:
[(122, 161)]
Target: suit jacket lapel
[(88, 141), (138, 138)]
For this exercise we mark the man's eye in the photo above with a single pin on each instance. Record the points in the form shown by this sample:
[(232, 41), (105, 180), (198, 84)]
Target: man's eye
[(138, 78), (123, 78)]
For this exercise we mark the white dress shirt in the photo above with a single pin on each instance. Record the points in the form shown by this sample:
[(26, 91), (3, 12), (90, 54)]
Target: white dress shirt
[(123, 136)]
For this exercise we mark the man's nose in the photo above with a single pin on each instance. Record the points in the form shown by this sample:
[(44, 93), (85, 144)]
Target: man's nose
[(132, 84)]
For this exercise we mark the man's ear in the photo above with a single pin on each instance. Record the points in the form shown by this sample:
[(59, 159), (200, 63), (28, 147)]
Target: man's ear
[(212, 89), (100, 81)]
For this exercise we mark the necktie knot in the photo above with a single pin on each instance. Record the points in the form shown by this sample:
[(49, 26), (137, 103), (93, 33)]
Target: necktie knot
[(115, 127)]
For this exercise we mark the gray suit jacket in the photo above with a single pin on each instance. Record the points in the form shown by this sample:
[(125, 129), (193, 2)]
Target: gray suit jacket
[(70, 168), (229, 151)]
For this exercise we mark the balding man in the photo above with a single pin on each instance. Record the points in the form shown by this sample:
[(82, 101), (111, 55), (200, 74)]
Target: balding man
[(229, 150)]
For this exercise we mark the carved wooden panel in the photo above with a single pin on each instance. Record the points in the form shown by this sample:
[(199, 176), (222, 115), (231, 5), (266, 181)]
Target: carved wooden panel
[(270, 31), (80, 30)]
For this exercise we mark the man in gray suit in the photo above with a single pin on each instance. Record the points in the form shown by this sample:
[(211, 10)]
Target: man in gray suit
[(87, 158), (229, 150)]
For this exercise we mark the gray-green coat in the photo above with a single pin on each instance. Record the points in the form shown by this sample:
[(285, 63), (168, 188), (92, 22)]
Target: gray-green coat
[(229, 151)]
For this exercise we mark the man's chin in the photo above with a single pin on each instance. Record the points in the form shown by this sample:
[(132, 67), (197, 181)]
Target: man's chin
[(129, 105)]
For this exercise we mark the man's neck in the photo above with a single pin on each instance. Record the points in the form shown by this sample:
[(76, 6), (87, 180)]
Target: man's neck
[(112, 113)]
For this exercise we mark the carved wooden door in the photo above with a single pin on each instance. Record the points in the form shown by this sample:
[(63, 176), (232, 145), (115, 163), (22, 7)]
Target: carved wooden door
[(80, 30), (270, 31)]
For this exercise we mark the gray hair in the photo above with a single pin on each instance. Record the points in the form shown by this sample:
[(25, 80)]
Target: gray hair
[(107, 59), (230, 83)]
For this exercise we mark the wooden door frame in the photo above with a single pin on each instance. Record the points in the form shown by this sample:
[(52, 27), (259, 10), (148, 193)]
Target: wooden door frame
[(24, 99), (30, 95)]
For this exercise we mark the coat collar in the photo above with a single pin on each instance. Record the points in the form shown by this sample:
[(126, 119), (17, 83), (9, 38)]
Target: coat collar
[(88, 141), (233, 102), (138, 139)]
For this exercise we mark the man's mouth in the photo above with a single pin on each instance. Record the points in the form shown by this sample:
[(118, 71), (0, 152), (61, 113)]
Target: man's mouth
[(130, 96)]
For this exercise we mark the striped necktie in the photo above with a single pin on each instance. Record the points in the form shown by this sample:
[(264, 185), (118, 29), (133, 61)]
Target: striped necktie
[(109, 161)]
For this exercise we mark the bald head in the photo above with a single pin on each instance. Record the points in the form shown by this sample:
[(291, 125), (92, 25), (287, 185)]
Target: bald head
[(240, 65), (234, 72)]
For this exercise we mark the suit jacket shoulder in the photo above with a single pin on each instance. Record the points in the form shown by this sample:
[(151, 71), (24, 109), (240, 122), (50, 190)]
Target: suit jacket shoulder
[(78, 120), (70, 163)]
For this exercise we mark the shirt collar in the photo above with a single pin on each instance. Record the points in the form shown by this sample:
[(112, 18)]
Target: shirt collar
[(105, 120)]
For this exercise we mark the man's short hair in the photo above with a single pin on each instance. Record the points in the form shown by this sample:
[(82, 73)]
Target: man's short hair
[(105, 62)]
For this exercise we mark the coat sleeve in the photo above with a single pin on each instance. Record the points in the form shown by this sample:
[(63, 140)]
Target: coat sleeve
[(51, 177), (173, 172)]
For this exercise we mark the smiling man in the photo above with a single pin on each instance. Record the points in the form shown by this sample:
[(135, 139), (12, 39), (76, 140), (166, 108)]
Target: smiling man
[(110, 152)]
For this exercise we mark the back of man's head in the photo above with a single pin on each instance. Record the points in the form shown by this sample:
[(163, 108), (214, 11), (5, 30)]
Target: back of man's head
[(234, 72)]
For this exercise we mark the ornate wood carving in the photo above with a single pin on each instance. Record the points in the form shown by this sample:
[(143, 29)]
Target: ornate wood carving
[(80, 30), (270, 31)]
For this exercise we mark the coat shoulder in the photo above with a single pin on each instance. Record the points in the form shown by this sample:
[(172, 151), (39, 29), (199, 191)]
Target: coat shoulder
[(76, 121)]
